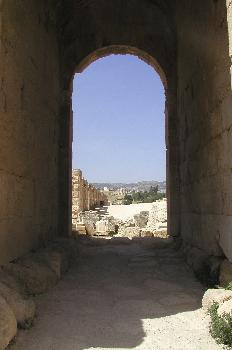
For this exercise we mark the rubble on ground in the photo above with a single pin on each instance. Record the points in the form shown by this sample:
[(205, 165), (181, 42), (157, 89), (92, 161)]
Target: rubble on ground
[(26, 277), (146, 223)]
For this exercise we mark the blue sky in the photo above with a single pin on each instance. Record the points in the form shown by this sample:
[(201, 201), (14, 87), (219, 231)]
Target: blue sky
[(119, 124)]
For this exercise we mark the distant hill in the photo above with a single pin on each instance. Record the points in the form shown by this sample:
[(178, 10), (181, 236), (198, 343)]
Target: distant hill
[(138, 186)]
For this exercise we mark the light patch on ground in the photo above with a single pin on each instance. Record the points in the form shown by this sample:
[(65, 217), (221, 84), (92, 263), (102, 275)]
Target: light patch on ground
[(122, 294)]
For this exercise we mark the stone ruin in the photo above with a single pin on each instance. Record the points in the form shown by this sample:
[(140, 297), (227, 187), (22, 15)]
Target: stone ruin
[(55, 39), (146, 223), (37, 121), (94, 222), (84, 198)]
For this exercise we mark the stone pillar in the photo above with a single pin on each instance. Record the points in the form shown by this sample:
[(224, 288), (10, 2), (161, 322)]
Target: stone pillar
[(84, 195), (76, 194)]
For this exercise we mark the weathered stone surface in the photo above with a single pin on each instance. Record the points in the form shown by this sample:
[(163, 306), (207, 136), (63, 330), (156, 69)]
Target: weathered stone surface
[(36, 277), (52, 258), (215, 295), (225, 308), (29, 120), (23, 309), (117, 298), (130, 231), (84, 196), (225, 273), (196, 259), (68, 248), (8, 324), (141, 219), (195, 70), (90, 230), (157, 220), (145, 233), (105, 226), (11, 282)]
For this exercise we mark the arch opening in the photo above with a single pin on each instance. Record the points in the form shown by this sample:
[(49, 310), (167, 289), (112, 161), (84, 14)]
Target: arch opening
[(147, 192)]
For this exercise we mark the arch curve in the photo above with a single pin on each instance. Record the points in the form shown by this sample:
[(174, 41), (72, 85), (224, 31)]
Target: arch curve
[(122, 50)]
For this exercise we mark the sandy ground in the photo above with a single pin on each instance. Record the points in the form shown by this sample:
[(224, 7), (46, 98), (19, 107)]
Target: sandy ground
[(122, 294), (128, 211)]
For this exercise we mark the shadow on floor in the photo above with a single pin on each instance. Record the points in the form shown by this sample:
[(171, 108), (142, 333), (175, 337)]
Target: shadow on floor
[(118, 292)]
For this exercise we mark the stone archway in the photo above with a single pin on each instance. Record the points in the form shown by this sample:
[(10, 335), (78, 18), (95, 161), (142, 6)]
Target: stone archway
[(120, 32), (172, 36), (121, 49), (149, 60), (41, 46)]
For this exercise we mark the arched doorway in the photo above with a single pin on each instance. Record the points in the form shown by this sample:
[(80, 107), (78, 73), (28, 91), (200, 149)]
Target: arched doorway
[(118, 132), (172, 167)]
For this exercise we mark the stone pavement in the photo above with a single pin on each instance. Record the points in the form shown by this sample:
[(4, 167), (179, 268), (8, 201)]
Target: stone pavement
[(122, 294)]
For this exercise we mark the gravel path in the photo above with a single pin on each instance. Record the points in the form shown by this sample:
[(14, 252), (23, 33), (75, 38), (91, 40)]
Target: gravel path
[(122, 294)]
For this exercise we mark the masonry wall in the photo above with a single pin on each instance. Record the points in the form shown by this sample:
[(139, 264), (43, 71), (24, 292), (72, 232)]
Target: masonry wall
[(204, 109), (186, 41), (89, 30), (29, 94), (84, 195)]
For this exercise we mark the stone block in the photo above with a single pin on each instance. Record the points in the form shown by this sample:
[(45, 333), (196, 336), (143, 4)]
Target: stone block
[(11, 282), (102, 227), (68, 250), (36, 277), (145, 233), (141, 219), (225, 238), (225, 308), (52, 258), (196, 259), (226, 111), (225, 276), (90, 230), (215, 296), (23, 309), (8, 324), (229, 21)]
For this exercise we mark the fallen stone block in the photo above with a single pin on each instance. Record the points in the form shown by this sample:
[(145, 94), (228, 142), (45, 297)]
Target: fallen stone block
[(36, 277), (215, 296), (141, 219), (23, 309), (146, 234), (68, 248), (90, 230), (8, 324), (225, 308), (225, 276), (53, 259), (132, 231), (11, 282)]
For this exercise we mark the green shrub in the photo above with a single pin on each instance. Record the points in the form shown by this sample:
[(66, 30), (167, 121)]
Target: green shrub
[(220, 327), (229, 287), (144, 196), (127, 199)]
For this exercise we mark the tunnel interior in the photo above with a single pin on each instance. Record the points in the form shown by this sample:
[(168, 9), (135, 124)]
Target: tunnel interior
[(43, 44)]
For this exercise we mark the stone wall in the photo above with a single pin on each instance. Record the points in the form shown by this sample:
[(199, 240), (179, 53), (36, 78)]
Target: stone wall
[(84, 195), (94, 29), (43, 43), (204, 108), (29, 95)]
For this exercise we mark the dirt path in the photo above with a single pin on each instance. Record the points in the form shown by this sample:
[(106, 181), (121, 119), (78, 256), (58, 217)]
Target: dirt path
[(122, 295)]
